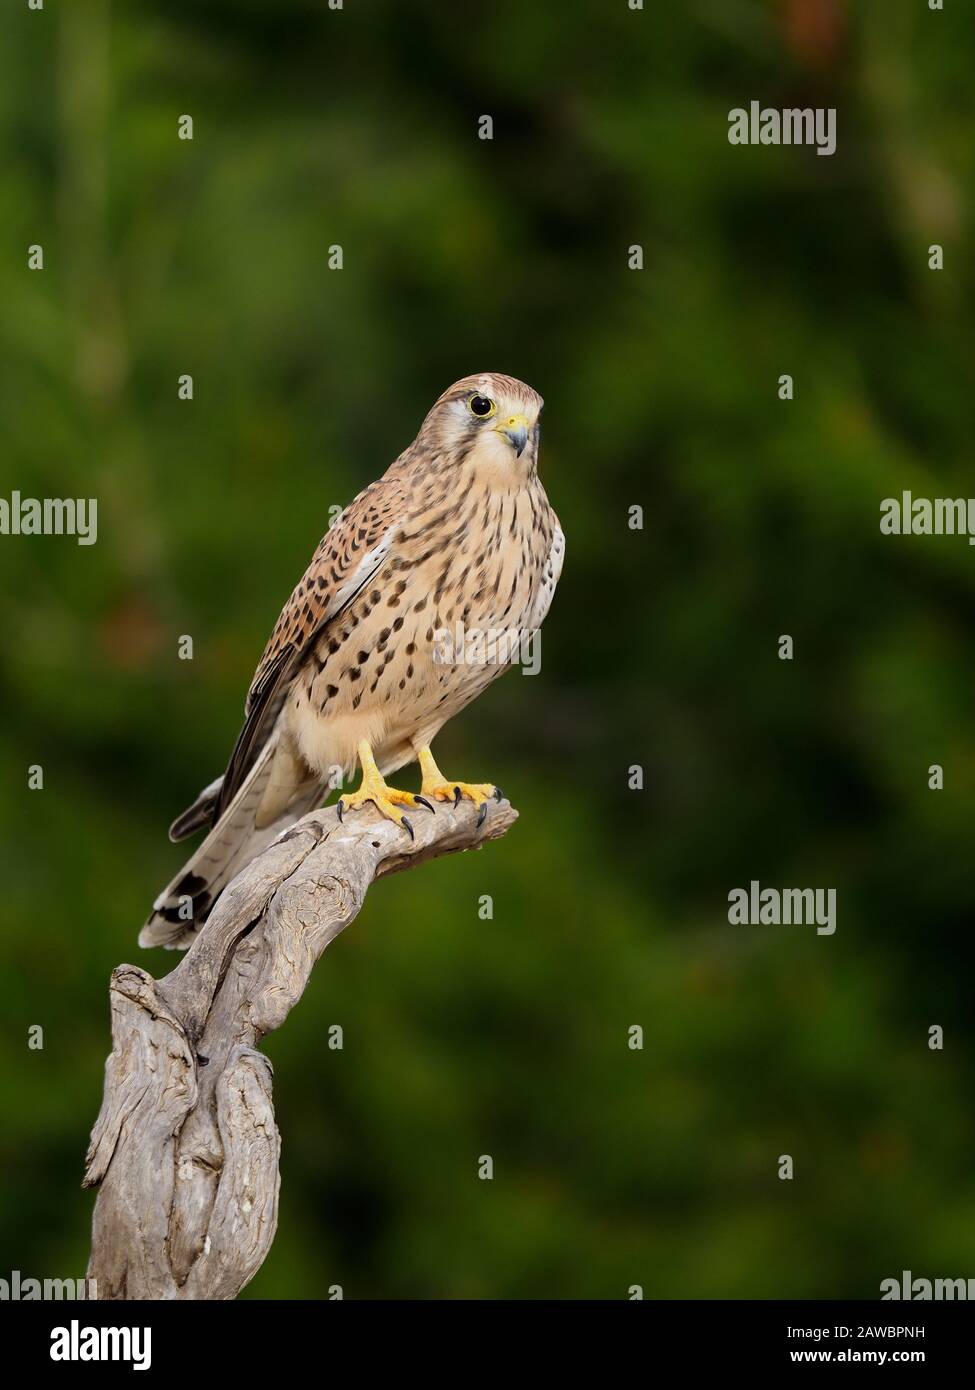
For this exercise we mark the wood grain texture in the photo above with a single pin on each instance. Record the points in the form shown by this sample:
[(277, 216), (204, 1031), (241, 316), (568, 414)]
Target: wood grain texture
[(185, 1149)]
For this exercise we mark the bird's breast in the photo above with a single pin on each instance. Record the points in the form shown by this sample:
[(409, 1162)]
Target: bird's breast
[(429, 631)]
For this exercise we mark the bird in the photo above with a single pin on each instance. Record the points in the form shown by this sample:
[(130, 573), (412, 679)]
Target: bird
[(456, 536)]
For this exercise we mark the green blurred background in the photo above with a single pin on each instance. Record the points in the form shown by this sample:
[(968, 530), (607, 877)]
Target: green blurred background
[(357, 127)]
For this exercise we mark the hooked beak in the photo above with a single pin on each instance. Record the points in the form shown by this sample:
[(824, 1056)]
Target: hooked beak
[(516, 433)]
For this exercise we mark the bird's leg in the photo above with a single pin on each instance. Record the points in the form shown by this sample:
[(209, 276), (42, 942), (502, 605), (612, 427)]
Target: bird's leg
[(436, 784), (387, 800)]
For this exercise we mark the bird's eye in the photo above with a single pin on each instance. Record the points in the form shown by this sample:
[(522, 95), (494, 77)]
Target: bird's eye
[(481, 406)]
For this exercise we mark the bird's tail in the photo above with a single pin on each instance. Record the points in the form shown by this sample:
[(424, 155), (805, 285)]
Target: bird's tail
[(241, 833)]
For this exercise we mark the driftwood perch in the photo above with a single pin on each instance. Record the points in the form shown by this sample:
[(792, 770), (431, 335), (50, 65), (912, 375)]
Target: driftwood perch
[(185, 1149)]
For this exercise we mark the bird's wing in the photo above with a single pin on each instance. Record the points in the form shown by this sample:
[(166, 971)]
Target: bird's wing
[(549, 578), (350, 553)]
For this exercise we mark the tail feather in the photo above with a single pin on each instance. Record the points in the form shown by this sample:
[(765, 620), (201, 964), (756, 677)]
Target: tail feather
[(198, 815), (183, 907)]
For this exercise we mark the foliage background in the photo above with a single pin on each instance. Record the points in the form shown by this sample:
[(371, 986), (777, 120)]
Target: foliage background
[(357, 127)]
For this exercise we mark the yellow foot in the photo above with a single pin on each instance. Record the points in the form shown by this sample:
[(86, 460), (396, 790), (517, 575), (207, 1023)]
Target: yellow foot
[(435, 784), (387, 800), (478, 792)]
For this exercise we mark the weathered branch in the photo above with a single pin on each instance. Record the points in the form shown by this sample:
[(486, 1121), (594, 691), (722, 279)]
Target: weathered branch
[(185, 1148)]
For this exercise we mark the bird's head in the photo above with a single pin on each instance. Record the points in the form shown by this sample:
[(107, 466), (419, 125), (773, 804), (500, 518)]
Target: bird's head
[(488, 422)]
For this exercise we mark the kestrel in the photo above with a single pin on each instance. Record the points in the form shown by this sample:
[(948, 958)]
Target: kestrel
[(457, 531)]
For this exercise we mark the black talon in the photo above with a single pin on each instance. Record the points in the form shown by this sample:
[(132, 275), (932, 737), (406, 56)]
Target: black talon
[(456, 796), (481, 815), (424, 802), (409, 827), (340, 807), (498, 794)]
